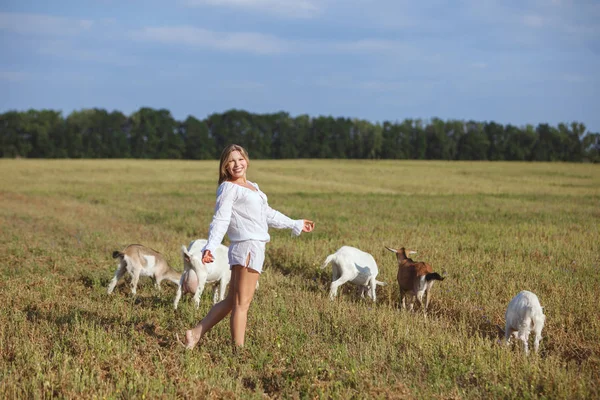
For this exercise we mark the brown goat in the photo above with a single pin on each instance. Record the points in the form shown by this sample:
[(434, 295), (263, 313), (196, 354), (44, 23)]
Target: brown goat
[(415, 278), (140, 260)]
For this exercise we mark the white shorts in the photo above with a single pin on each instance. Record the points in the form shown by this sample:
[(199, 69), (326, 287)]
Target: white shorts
[(239, 251)]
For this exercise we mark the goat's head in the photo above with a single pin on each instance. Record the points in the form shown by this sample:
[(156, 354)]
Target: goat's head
[(401, 253), (189, 260)]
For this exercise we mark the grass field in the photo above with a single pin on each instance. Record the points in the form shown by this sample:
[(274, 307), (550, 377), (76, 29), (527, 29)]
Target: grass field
[(492, 229)]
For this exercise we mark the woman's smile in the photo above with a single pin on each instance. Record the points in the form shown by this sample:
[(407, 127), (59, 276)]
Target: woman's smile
[(237, 165)]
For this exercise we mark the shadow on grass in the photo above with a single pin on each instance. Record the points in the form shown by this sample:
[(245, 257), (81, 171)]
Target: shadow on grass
[(74, 318)]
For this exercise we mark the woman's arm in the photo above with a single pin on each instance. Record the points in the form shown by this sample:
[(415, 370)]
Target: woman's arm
[(220, 222), (278, 220)]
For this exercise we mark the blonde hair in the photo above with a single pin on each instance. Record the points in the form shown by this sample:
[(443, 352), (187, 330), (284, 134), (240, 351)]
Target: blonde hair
[(225, 155)]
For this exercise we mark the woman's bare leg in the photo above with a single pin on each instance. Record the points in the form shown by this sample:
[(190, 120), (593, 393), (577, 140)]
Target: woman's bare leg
[(245, 287), (214, 316)]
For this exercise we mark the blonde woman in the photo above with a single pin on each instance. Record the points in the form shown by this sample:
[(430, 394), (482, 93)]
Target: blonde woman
[(241, 211)]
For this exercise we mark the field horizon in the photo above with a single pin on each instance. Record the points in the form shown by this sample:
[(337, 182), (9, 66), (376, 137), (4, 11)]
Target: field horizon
[(491, 229)]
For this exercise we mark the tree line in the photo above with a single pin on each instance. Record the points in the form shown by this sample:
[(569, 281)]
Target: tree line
[(155, 134)]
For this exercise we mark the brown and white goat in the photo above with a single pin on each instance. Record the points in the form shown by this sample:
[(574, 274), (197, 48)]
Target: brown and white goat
[(140, 260), (415, 278)]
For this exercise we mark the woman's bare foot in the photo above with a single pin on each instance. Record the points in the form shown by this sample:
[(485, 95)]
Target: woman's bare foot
[(191, 339)]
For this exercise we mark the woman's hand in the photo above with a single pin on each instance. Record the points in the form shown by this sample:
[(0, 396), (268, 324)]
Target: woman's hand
[(308, 226), (207, 257)]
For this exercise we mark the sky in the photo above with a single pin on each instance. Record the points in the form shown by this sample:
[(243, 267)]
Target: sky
[(512, 61)]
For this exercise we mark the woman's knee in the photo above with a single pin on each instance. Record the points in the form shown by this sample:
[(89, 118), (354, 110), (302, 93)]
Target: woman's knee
[(242, 305), (228, 301)]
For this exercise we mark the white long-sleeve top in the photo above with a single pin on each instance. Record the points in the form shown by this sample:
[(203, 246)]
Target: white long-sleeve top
[(245, 214)]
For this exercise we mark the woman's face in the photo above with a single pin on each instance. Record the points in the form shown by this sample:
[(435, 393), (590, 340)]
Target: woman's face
[(237, 165)]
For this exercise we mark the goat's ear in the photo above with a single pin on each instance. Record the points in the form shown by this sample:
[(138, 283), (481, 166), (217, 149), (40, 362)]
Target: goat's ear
[(186, 255), (390, 249)]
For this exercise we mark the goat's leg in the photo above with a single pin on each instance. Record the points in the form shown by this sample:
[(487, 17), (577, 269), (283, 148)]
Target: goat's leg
[(524, 336), (524, 340), (199, 290), (179, 291), (134, 280), (335, 285), (411, 304), (402, 300), (223, 284), (507, 333), (419, 297), (427, 297), (361, 291), (216, 292), (373, 289), (118, 275)]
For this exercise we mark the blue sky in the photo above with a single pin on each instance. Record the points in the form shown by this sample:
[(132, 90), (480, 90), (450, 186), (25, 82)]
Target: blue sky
[(518, 62)]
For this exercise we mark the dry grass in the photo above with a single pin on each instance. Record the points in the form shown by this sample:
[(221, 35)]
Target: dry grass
[(491, 228)]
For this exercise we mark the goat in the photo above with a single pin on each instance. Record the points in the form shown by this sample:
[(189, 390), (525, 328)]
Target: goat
[(523, 313), (140, 260), (196, 274), (415, 278), (350, 264)]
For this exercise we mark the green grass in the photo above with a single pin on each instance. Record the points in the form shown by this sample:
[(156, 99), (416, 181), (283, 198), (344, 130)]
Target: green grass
[(492, 229)]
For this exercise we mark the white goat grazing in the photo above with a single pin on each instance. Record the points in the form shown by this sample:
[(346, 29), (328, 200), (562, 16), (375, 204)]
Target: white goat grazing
[(524, 312), (350, 264), (196, 274), (139, 261)]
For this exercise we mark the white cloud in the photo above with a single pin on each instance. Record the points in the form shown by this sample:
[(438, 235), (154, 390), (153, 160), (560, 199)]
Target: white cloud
[(38, 24), (288, 8), (64, 49), (264, 44), (248, 42)]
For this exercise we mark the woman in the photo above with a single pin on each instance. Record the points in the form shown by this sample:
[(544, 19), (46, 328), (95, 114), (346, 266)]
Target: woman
[(243, 213)]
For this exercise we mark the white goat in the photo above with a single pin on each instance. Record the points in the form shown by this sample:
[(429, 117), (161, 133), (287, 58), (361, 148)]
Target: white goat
[(350, 264), (196, 274), (139, 261), (524, 312)]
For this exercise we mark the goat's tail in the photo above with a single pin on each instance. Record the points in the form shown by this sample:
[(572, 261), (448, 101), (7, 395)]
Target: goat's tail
[(329, 259), (117, 254), (433, 276)]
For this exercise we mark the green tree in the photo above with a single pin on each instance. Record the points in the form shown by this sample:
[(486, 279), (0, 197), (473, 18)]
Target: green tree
[(591, 147), (155, 134), (44, 128), (439, 144), (498, 141), (418, 141), (15, 141), (198, 145), (548, 145), (474, 144)]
